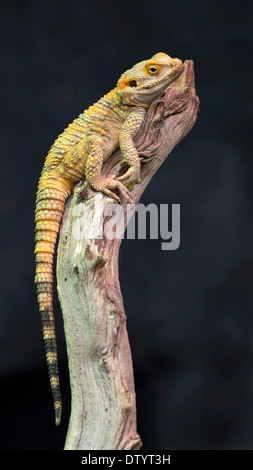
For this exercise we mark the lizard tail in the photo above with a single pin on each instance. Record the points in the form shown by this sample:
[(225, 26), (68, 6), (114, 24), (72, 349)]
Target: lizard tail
[(48, 215)]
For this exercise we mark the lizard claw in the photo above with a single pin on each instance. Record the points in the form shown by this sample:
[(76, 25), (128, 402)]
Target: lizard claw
[(111, 194), (108, 187), (131, 177), (124, 191)]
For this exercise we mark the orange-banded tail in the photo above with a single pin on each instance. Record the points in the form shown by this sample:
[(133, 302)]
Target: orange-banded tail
[(48, 215)]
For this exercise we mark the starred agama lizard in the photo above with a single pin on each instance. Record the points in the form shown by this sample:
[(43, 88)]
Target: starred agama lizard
[(79, 152)]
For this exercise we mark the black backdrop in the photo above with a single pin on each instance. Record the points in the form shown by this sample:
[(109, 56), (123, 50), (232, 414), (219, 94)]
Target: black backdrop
[(190, 310)]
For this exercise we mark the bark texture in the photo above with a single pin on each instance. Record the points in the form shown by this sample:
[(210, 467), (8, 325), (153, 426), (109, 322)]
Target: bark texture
[(103, 413)]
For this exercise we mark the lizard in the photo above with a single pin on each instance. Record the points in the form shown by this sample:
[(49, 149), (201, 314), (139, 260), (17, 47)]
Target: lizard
[(78, 153)]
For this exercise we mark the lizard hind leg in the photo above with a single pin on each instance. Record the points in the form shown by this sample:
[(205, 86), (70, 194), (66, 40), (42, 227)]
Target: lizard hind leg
[(93, 168)]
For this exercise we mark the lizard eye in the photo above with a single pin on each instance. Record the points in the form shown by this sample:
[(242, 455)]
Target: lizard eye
[(133, 83), (153, 69)]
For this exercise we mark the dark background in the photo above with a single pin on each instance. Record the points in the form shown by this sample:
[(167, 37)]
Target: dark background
[(190, 310)]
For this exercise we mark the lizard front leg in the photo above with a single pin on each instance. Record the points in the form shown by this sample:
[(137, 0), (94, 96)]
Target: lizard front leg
[(129, 129)]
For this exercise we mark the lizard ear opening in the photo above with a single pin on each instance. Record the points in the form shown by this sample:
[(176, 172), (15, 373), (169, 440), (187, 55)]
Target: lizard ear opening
[(133, 83)]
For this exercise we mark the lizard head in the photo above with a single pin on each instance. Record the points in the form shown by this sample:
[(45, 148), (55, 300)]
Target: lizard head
[(147, 80)]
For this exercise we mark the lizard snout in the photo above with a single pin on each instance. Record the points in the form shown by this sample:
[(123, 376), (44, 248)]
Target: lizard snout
[(175, 63)]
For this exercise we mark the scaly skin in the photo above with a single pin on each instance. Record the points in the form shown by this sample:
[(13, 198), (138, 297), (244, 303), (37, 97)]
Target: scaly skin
[(80, 152)]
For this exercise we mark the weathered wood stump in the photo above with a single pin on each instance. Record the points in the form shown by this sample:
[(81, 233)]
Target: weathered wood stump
[(103, 413)]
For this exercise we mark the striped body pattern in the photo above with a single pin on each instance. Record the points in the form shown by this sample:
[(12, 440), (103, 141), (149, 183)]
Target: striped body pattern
[(79, 152)]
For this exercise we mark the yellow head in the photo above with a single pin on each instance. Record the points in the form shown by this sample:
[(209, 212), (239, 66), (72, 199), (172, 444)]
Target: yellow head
[(147, 80)]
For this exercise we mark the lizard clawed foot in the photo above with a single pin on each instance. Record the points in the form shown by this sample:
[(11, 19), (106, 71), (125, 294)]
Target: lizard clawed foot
[(107, 186), (131, 177), (124, 191)]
